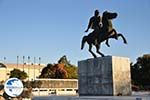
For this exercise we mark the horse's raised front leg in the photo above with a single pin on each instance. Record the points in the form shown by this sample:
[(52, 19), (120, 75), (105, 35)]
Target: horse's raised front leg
[(111, 36), (124, 40), (90, 50), (97, 50), (116, 35)]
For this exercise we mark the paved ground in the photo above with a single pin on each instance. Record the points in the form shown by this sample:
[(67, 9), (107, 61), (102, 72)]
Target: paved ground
[(92, 98), (135, 96)]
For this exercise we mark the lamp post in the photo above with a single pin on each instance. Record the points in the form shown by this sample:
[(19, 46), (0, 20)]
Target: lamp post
[(17, 61), (4, 60), (6, 67), (39, 64), (23, 62), (34, 66), (28, 67)]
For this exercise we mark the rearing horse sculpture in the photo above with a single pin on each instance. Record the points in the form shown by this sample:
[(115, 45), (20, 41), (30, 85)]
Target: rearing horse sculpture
[(107, 31)]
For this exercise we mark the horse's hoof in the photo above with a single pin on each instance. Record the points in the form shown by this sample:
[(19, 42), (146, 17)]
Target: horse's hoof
[(103, 55), (95, 56), (107, 45), (125, 42)]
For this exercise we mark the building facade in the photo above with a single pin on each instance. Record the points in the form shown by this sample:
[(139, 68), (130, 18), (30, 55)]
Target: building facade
[(33, 70)]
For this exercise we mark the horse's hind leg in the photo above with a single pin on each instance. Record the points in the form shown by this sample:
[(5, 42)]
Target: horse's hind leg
[(124, 40), (90, 50), (97, 50)]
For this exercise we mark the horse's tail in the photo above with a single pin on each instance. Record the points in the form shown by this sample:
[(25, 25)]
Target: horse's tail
[(84, 39)]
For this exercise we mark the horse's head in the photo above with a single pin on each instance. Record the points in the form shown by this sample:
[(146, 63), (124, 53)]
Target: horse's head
[(106, 19), (108, 15)]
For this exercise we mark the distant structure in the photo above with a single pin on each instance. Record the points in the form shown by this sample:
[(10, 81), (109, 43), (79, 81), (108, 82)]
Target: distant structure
[(32, 70), (56, 87)]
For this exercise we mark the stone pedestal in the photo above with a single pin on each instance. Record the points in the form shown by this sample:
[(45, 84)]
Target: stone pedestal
[(103, 76)]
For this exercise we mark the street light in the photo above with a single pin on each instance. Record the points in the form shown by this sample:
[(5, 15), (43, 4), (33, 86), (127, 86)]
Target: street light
[(17, 61), (6, 67), (28, 67), (39, 64), (4, 60), (34, 67), (23, 62)]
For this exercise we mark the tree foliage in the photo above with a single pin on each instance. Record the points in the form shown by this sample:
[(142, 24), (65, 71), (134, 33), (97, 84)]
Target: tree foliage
[(18, 74), (70, 69), (47, 72), (63, 69), (140, 71), (71, 72)]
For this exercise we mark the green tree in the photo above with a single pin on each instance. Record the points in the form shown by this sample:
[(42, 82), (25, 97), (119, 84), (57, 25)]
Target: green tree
[(61, 70), (48, 72), (71, 72), (70, 69), (54, 71), (18, 74), (140, 71), (64, 60)]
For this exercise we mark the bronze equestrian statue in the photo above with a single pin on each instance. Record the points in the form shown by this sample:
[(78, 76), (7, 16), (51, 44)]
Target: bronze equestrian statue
[(105, 32)]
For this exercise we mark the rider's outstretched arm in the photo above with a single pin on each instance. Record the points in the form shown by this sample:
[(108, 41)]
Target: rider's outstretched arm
[(89, 25)]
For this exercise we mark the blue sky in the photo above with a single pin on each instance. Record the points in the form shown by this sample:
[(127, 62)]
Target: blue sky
[(52, 28)]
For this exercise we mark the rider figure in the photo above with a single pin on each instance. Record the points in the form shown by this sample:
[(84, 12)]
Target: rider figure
[(94, 22)]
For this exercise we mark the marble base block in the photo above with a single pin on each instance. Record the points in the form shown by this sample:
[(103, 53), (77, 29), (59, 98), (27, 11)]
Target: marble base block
[(104, 76)]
